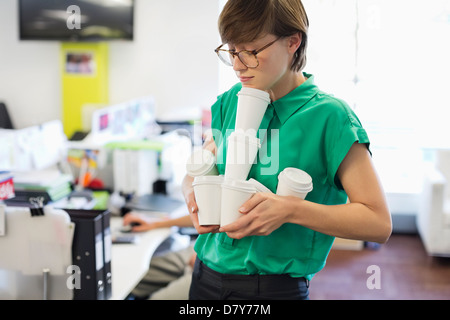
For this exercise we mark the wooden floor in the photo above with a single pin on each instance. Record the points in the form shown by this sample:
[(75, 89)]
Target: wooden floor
[(406, 273)]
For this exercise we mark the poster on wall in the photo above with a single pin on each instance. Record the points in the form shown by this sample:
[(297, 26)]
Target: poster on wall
[(80, 63)]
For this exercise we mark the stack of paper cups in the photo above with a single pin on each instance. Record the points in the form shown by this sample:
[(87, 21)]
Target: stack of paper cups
[(252, 104), (243, 146), (241, 154), (234, 194), (294, 182), (201, 162), (208, 194)]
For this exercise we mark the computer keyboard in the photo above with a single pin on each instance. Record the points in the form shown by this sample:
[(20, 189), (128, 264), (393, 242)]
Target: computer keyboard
[(121, 238)]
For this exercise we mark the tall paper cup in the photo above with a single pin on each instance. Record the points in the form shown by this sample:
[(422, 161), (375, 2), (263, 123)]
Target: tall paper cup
[(234, 194), (252, 104), (241, 154), (208, 193), (294, 182), (201, 162)]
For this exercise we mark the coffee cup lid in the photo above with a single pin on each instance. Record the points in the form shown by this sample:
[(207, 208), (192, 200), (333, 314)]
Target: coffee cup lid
[(207, 180), (200, 162), (240, 185), (255, 92), (259, 186), (297, 179)]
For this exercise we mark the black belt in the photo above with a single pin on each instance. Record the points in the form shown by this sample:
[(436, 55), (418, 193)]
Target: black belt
[(254, 282)]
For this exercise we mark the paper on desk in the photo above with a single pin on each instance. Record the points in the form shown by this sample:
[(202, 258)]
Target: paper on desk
[(44, 177)]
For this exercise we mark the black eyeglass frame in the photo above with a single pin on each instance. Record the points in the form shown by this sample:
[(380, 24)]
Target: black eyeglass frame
[(235, 53)]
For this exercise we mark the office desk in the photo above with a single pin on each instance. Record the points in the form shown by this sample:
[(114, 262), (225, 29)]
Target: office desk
[(130, 262)]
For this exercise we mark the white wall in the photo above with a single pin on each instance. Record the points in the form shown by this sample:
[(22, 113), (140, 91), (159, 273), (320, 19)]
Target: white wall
[(171, 58), (29, 74)]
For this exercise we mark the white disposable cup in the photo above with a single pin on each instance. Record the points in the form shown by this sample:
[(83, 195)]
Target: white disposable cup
[(234, 194), (252, 104), (241, 154), (201, 162), (294, 182), (208, 194), (259, 186)]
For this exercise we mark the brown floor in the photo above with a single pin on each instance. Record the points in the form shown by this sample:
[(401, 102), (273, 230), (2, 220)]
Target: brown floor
[(406, 273)]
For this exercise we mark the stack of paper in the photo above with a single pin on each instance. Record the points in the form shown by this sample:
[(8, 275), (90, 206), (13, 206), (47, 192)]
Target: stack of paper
[(50, 184)]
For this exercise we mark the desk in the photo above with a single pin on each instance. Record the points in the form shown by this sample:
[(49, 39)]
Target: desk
[(130, 262)]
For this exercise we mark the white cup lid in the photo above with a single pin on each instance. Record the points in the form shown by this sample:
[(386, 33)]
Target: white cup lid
[(240, 185), (207, 180), (255, 93), (200, 162), (297, 179), (259, 186)]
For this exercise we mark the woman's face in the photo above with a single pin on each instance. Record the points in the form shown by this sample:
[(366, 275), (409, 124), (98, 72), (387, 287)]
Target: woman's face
[(274, 63)]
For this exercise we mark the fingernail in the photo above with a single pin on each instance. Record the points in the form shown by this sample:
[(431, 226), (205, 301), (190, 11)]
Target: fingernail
[(192, 209), (242, 209)]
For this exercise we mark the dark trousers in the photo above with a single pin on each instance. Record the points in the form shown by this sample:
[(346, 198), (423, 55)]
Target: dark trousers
[(208, 284)]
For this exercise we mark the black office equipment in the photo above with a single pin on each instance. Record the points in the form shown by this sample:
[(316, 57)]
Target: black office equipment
[(88, 253), (124, 238), (37, 206), (107, 251), (5, 120)]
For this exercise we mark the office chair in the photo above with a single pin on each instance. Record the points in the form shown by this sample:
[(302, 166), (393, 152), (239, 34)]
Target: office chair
[(5, 120)]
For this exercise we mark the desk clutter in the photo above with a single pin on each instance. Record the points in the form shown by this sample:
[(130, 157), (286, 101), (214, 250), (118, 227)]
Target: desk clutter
[(32, 148), (55, 198), (6, 185), (50, 253), (51, 185)]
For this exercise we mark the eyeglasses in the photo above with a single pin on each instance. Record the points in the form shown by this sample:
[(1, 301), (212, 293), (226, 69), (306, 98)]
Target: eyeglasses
[(248, 58)]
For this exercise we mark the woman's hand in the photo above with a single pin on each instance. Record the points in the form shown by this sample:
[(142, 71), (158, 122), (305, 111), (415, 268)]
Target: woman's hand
[(262, 214), (144, 224)]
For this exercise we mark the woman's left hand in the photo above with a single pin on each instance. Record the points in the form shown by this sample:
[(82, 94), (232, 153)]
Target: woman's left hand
[(262, 214)]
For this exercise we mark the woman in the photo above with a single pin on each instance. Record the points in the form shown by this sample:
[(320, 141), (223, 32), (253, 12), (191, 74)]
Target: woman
[(280, 242)]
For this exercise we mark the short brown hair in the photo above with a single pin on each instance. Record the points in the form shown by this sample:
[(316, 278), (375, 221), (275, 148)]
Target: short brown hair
[(246, 20)]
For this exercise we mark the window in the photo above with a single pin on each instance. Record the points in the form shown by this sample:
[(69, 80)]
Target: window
[(389, 59)]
